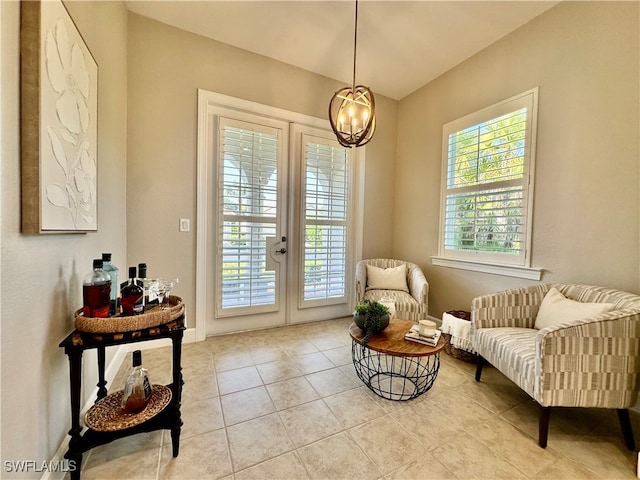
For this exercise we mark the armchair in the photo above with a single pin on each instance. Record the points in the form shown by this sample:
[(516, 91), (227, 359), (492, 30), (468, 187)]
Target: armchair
[(411, 304), (585, 362)]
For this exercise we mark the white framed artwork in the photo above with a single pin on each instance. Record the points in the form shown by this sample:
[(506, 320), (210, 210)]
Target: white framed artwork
[(59, 123)]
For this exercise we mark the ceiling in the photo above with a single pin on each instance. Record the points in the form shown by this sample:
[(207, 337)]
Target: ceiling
[(402, 45)]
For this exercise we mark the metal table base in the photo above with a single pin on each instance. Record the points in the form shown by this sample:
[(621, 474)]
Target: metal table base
[(394, 377)]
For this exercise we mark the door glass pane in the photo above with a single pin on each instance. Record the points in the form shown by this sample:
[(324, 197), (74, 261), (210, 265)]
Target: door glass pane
[(248, 185), (245, 282), (325, 221)]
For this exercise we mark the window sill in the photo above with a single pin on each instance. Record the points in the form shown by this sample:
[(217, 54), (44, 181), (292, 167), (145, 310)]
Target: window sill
[(506, 270)]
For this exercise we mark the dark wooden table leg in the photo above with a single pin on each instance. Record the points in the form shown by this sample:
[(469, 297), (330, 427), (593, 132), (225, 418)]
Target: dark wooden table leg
[(176, 386), (74, 453), (102, 383)]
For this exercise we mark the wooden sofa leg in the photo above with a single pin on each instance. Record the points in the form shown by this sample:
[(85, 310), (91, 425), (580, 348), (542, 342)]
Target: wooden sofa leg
[(627, 431), (479, 366), (543, 426)]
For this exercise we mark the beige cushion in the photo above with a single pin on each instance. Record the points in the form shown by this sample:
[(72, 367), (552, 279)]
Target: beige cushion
[(556, 308), (394, 278)]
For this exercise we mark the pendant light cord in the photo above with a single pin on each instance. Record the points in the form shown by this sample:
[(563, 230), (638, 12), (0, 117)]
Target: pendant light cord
[(355, 45)]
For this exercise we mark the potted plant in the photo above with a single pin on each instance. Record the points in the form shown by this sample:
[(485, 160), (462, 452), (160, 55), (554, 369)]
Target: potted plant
[(371, 318)]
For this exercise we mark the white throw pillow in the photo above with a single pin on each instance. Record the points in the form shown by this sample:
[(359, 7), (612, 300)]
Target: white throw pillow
[(394, 278), (556, 308)]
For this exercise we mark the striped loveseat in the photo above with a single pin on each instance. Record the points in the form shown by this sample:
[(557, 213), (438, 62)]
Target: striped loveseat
[(588, 362), (411, 303)]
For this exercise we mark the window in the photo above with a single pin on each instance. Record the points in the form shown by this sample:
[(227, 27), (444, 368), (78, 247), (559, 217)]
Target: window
[(487, 188)]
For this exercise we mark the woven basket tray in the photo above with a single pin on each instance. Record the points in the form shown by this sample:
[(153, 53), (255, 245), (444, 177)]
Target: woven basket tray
[(107, 415), (117, 323), (458, 353)]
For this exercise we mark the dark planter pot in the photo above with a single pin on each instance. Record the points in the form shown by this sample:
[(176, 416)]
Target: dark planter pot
[(360, 319)]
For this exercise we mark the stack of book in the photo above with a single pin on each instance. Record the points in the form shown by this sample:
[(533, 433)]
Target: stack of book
[(413, 335)]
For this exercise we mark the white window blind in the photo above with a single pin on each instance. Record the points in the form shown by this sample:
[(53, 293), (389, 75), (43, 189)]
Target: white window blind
[(326, 206), (248, 201), (486, 188)]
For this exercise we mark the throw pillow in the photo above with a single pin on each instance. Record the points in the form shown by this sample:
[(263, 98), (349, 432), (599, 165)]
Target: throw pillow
[(556, 308), (394, 278)]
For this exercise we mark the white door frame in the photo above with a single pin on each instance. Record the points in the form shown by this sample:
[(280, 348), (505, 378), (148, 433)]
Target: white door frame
[(210, 105)]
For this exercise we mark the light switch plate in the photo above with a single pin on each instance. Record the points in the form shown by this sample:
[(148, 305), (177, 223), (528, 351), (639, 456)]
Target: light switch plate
[(185, 224)]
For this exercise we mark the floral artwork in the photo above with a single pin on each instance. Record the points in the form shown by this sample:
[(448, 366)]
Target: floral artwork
[(67, 127)]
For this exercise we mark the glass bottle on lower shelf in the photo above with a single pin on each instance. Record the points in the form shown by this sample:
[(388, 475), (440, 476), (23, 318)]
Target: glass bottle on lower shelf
[(137, 388)]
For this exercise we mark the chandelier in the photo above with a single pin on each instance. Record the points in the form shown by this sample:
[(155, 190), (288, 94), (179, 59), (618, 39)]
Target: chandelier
[(352, 109)]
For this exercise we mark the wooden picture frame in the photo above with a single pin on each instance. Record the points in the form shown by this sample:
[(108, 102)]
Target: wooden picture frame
[(59, 122)]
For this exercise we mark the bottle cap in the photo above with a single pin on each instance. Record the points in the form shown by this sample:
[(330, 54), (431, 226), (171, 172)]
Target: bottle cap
[(142, 270), (106, 257), (137, 358), (97, 263), (132, 272)]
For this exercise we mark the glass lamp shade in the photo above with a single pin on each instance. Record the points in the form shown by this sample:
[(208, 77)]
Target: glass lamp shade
[(352, 116)]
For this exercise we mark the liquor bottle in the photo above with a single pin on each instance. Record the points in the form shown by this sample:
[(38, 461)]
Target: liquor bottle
[(150, 296), (132, 295), (137, 388), (96, 292), (112, 270), (143, 282), (142, 274)]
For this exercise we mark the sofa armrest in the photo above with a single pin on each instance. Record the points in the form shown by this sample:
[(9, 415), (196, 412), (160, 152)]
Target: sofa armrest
[(511, 308), (361, 281), (593, 362), (418, 285)]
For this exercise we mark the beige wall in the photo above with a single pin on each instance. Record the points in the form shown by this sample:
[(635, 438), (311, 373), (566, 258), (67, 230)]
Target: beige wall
[(42, 275), (166, 67), (584, 57)]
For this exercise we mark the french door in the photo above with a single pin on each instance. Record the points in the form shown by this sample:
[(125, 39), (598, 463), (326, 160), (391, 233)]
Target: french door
[(283, 223), (250, 219), (325, 233)]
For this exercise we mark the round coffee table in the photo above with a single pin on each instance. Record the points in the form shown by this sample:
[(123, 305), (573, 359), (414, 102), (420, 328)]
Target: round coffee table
[(392, 367)]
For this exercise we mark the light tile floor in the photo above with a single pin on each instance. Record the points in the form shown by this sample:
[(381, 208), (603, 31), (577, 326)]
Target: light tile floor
[(286, 404)]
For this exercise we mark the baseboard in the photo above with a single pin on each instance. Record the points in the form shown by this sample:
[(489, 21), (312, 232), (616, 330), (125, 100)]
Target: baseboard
[(110, 372), (435, 319)]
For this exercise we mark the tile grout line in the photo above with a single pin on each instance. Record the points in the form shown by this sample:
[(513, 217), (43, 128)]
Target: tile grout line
[(159, 456)]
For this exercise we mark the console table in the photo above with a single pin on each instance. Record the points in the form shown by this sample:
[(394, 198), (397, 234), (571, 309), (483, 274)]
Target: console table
[(167, 419)]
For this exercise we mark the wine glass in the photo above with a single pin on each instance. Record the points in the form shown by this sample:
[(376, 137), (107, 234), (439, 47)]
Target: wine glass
[(159, 287), (162, 289), (168, 285)]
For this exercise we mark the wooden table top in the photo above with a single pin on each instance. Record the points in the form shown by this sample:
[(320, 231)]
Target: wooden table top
[(391, 340)]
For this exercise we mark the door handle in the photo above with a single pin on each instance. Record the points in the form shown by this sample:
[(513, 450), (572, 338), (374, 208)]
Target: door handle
[(282, 250)]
